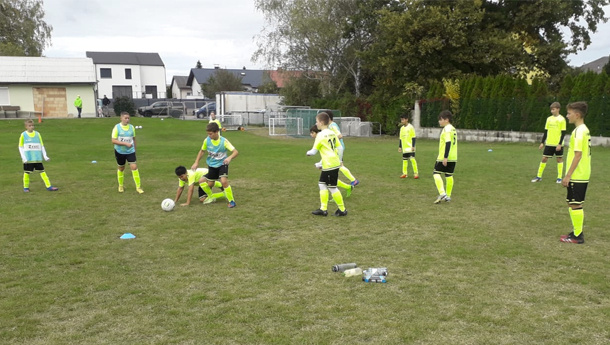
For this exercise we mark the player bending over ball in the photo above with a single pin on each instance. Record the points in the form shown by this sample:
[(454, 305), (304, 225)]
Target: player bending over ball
[(313, 132), (447, 157), (32, 153), (124, 140), (217, 147), (579, 170), (326, 143), (552, 142), (406, 145), (192, 178)]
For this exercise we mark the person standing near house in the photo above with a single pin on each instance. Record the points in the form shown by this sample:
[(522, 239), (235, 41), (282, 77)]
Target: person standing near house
[(78, 103)]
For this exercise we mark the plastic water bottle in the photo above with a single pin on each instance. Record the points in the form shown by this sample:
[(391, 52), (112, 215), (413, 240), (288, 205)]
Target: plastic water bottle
[(343, 267), (353, 272)]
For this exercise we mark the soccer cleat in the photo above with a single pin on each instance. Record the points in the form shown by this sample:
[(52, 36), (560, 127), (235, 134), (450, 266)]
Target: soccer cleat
[(440, 198), (570, 238), (320, 212), (210, 200), (52, 189), (139, 190), (403, 176), (558, 180), (121, 189), (231, 204), (416, 176), (340, 213), (26, 190), (355, 183), (537, 179), (349, 191), (447, 198)]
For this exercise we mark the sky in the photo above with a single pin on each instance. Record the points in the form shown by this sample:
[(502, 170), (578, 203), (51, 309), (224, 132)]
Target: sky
[(215, 32)]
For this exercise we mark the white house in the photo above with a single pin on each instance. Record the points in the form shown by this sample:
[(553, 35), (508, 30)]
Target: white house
[(179, 88), (47, 85), (136, 75)]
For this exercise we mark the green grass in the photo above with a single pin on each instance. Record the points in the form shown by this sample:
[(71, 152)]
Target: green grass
[(486, 268)]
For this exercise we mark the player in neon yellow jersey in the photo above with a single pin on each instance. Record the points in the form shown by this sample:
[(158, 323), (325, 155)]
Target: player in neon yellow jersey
[(124, 140), (326, 143), (552, 142), (32, 153), (313, 132), (213, 119), (192, 178), (579, 170), (406, 145), (447, 157), (341, 150)]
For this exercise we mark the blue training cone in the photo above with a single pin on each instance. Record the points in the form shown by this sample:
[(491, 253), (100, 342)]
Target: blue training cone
[(127, 236)]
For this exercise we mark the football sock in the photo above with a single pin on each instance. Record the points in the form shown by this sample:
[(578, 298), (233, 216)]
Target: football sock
[(405, 164), (136, 177), (414, 163), (541, 169), (26, 180), (323, 199), (338, 200), (120, 176), (206, 189), (347, 173), (438, 180), (343, 185), (218, 195), (578, 218), (560, 170), (45, 178), (229, 194), (449, 180), (217, 184)]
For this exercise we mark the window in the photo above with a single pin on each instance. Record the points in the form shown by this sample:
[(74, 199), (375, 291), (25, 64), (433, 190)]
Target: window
[(105, 73), (4, 98), (127, 73)]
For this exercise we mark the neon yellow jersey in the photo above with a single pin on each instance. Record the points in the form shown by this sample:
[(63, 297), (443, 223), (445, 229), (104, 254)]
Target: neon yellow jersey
[(193, 177), (216, 122), (448, 134), (407, 133), (580, 140), (554, 125), (326, 143)]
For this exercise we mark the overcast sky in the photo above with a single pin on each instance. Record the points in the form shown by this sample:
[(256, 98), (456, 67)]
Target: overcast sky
[(183, 31)]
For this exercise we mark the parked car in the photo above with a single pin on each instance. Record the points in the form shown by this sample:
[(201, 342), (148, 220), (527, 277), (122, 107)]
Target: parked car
[(174, 109), (205, 110)]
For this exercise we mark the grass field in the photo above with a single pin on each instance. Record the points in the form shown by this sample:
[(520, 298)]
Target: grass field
[(487, 268)]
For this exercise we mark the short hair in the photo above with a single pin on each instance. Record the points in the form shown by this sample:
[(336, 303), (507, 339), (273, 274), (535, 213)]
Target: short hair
[(555, 105), (579, 107), (330, 114), (405, 116), (180, 170), (124, 113), (445, 114), (324, 118), (212, 127), (28, 121), (314, 129)]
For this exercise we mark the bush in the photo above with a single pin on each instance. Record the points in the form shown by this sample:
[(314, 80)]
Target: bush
[(124, 103)]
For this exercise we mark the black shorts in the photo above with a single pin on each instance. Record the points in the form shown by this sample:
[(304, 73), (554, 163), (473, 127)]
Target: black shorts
[(439, 168), (576, 192), (30, 167), (122, 158), (201, 192), (550, 151), (330, 177), (408, 155), (214, 174)]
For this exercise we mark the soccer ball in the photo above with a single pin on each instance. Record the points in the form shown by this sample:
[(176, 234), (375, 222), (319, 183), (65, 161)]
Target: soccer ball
[(167, 205)]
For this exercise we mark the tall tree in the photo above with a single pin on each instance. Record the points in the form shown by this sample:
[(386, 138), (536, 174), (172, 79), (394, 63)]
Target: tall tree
[(23, 31), (221, 80)]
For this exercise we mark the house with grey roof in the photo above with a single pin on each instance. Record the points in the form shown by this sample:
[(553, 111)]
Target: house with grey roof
[(135, 75), (47, 86), (595, 66), (179, 88), (250, 79)]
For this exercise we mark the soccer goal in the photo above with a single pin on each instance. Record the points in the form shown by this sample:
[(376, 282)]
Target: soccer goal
[(294, 126), (232, 122), (277, 126)]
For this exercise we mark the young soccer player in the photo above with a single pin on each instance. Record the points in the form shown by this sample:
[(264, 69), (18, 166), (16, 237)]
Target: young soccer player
[(32, 153), (217, 147), (341, 150), (313, 132), (192, 178), (124, 140), (552, 141), (214, 120), (406, 145), (447, 157), (579, 170), (326, 143)]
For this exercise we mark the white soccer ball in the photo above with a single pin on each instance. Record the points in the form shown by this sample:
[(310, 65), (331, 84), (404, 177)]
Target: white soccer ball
[(167, 205)]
